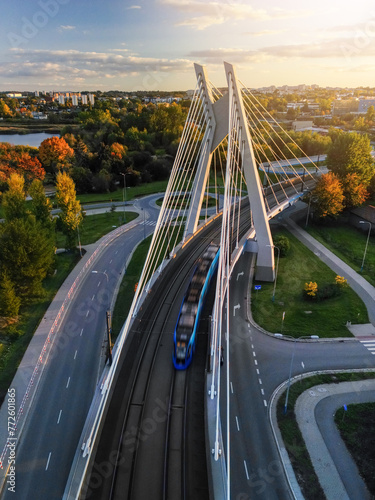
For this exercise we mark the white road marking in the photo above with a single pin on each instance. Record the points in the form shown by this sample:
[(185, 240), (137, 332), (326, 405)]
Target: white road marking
[(260, 381), (252, 346), (231, 387), (93, 297), (67, 385), (302, 364), (99, 284), (81, 332), (58, 420), (110, 261), (238, 426), (247, 474), (262, 391), (240, 274), (256, 362), (238, 306), (257, 371), (49, 457), (254, 354), (88, 311), (75, 355), (265, 402)]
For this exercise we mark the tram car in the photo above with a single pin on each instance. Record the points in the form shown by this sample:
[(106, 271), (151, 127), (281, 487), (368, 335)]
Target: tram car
[(188, 319)]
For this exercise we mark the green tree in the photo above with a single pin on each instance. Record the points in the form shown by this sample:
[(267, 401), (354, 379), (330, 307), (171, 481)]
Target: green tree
[(370, 114), (351, 153), (71, 212), (328, 197), (14, 205), (283, 243), (354, 191), (41, 206), (26, 254), (9, 302)]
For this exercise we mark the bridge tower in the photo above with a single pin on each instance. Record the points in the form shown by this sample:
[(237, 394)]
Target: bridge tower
[(221, 116)]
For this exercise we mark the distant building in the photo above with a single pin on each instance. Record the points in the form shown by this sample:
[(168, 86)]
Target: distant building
[(364, 104), (84, 98), (36, 93), (13, 95), (61, 99), (92, 99), (74, 100)]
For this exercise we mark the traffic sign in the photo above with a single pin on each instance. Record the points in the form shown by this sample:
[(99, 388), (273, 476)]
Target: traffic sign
[(258, 287)]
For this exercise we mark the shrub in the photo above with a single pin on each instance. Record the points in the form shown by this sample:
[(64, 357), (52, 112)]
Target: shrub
[(311, 289), (341, 282), (282, 242)]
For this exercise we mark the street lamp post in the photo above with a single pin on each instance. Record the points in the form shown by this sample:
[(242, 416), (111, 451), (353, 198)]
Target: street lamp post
[(277, 268), (124, 194), (108, 320), (291, 361), (368, 237)]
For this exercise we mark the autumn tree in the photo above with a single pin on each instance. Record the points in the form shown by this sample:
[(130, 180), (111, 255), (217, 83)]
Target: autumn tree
[(5, 111), (71, 215), (351, 153), (355, 192), (328, 197), (13, 203), (55, 154)]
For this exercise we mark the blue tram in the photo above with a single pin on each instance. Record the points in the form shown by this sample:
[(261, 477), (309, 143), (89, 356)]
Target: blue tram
[(189, 315)]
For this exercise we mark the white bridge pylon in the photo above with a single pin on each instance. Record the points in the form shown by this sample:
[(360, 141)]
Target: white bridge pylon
[(222, 116)]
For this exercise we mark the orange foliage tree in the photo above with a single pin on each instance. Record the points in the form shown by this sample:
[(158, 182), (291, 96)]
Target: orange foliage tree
[(328, 196), (55, 154), (354, 191), (15, 160)]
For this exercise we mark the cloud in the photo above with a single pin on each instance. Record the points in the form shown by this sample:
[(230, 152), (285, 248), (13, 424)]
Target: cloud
[(66, 27), (133, 7), (344, 48), (201, 15), (69, 64), (264, 32)]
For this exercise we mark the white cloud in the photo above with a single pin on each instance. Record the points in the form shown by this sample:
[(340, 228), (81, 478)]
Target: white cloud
[(201, 15), (57, 64), (66, 27), (133, 7), (264, 32)]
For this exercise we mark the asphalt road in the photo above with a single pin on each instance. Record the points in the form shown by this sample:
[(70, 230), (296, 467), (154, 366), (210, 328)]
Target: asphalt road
[(258, 364), (50, 437)]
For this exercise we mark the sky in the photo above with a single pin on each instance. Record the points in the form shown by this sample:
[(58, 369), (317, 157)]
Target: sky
[(152, 44)]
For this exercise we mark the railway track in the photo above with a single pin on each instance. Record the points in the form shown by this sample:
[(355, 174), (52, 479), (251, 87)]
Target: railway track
[(143, 441)]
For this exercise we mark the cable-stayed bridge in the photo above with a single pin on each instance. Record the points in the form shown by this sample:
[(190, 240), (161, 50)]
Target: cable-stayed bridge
[(226, 142)]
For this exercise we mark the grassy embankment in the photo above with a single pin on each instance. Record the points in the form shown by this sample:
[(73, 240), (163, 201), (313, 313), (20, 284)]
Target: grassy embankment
[(357, 428), (348, 243), (326, 318)]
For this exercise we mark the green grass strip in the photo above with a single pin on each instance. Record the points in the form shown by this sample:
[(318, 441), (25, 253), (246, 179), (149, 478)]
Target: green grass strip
[(326, 318)]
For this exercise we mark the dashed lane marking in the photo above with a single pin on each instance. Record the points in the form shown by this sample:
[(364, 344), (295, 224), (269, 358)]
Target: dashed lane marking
[(49, 458), (67, 384), (58, 420), (246, 471), (238, 425)]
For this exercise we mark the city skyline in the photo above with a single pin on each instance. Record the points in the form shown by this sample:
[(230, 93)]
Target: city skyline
[(152, 44)]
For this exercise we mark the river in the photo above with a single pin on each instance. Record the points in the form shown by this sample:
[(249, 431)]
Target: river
[(26, 139)]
